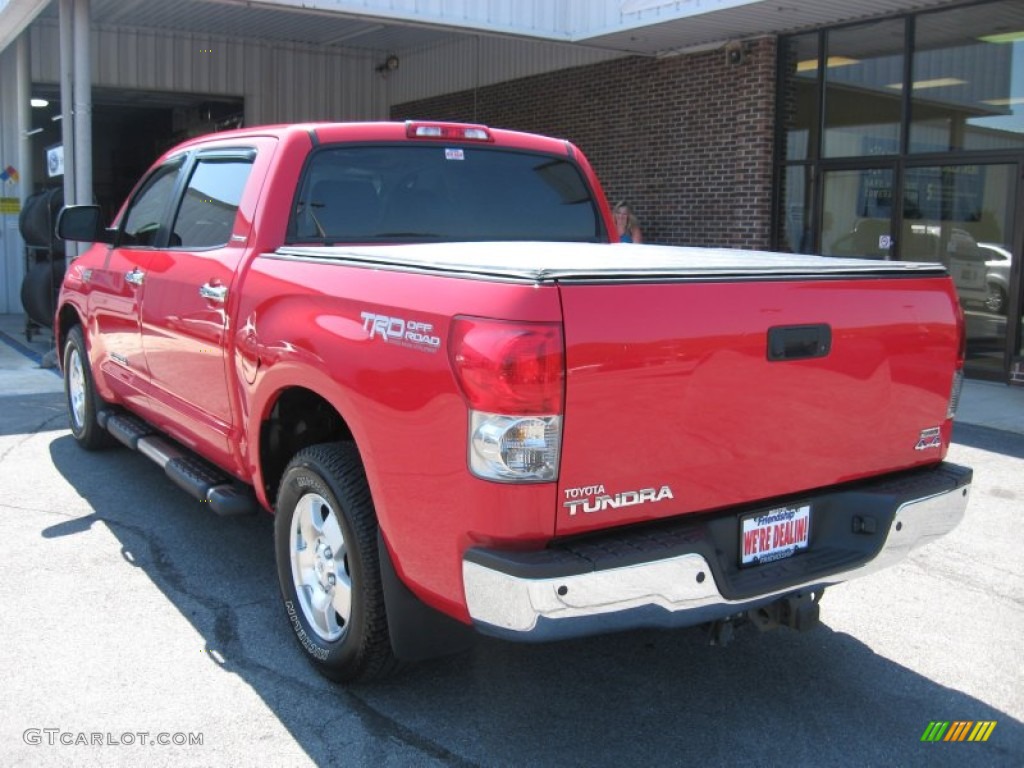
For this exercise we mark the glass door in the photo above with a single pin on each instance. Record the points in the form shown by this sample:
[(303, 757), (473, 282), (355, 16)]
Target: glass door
[(856, 213), (963, 217)]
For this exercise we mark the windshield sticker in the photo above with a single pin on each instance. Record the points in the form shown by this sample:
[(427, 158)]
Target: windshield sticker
[(401, 332), (454, 154)]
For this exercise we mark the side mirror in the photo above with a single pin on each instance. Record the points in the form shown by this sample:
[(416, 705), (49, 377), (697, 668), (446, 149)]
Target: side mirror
[(82, 223)]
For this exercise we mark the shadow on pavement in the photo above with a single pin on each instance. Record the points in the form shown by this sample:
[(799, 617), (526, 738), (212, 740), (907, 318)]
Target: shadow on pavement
[(29, 414), (632, 699), (988, 439)]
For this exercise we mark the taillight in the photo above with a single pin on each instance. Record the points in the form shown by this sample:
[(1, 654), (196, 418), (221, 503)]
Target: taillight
[(450, 131), (512, 377), (961, 356)]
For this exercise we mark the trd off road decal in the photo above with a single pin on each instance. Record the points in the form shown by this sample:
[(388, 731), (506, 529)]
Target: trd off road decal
[(404, 333), (594, 498)]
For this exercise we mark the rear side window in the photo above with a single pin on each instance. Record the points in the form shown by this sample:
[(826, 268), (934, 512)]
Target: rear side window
[(206, 215), (416, 193)]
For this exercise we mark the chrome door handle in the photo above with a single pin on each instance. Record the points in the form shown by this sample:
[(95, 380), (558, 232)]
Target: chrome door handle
[(213, 292), (135, 277)]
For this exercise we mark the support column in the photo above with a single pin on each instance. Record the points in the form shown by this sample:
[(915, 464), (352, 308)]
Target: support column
[(83, 104), (67, 127), (24, 97)]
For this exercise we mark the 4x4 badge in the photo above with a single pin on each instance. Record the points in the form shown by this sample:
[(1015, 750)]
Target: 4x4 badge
[(930, 438)]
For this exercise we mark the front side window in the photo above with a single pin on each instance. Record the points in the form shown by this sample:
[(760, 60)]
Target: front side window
[(148, 211), (417, 193), (206, 214)]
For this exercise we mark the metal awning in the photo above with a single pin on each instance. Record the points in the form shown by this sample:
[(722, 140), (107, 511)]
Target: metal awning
[(645, 27)]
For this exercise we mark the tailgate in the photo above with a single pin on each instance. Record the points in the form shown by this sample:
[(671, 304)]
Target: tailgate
[(674, 406)]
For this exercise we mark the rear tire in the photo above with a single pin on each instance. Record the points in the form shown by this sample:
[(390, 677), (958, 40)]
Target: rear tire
[(80, 394), (39, 291), (325, 533), (996, 300)]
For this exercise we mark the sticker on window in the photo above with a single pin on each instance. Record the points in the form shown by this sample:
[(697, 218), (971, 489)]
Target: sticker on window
[(454, 154)]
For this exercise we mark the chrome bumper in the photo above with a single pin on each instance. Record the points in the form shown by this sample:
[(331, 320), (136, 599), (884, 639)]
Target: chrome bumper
[(680, 590)]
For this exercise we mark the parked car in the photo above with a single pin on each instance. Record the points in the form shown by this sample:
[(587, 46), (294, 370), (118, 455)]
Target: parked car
[(997, 276)]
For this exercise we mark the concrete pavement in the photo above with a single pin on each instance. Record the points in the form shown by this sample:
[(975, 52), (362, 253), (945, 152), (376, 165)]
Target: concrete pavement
[(20, 372), (993, 405)]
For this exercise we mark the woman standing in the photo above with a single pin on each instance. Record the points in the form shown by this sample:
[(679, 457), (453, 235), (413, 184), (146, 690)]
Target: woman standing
[(627, 225)]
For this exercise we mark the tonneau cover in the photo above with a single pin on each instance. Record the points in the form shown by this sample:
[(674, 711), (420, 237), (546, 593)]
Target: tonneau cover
[(569, 262)]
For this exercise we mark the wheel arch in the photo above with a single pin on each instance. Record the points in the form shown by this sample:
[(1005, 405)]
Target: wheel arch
[(293, 418), (67, 318)]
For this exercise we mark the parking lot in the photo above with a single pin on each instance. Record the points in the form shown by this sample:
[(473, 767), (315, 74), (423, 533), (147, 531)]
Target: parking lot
[(135, 617)]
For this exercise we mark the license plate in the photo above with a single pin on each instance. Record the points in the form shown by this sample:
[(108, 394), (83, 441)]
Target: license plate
[(969, 275), (775, 534)]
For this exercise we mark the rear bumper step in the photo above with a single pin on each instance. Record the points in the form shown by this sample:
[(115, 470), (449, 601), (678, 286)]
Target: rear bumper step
[(196, 477), (686, 572)]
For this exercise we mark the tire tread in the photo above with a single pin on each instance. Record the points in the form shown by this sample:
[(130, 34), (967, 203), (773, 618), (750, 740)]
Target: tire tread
[(345, 475), (93, 437)]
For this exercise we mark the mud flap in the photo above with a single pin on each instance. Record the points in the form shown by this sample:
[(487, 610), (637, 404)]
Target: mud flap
[(417, 631)]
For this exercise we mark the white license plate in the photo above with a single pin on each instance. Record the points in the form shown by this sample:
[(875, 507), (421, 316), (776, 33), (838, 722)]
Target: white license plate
[(969, 275), (775, 534)]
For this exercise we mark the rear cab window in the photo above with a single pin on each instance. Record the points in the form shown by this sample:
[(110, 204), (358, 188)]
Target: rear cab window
[(357, 193), (206, 213)]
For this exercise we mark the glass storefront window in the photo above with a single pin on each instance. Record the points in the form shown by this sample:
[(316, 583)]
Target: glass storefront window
[(857, 213), (799, 103), (968, 79), (864, 89), (904, 139), (797, 196), (962, 216)]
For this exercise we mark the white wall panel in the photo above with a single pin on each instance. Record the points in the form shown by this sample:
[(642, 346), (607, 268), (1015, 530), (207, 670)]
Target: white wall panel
[(12, 259), (543, 18), (290, 82), (590, 19), (280, 83), (473, 62)]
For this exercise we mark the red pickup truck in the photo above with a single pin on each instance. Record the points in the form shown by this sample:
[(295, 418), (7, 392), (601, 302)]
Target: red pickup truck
[(414, 343)]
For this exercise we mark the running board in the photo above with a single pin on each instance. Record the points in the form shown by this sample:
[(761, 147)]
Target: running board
[(192, 474)]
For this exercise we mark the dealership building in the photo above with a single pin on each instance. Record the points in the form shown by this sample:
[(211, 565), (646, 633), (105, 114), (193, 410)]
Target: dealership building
[(886, 129)]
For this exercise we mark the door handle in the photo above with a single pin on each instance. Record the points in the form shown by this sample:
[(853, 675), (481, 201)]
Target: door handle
[(213, 292), (135, 277), (799, 342)]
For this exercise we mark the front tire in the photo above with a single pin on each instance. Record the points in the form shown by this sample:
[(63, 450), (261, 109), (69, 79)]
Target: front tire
[(80, 394), (325, 535)]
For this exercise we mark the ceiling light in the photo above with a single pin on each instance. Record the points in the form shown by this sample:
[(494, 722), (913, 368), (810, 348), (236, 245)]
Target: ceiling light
[(1004, 37), (809, 65), (938, 82), (1009, 102), (39, 103)]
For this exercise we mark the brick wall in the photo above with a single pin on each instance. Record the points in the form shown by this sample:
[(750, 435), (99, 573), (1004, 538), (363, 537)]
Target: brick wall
[(687, 141)]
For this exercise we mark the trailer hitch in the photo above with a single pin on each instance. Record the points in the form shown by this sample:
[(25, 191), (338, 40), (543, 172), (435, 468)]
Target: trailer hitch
[(799, 611)]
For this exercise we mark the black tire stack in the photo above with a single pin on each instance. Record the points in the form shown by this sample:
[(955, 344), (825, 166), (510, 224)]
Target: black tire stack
[(44, 267)]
